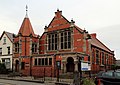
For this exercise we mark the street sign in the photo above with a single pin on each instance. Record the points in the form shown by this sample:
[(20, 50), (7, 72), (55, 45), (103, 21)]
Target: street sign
[(58, 64), (84, 66)]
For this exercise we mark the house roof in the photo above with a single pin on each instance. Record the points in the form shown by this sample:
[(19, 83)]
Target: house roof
[(26, 28), (98, 43), (9, 35)]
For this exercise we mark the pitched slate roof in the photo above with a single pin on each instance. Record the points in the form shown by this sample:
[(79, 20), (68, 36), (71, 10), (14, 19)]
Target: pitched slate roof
[(99, 44), (10, 35), (26, 28)]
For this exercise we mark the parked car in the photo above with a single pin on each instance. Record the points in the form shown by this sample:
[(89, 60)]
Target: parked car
[(108, 77)]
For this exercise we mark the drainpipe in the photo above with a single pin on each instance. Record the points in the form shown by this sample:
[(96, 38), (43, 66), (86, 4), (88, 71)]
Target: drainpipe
[(20, 51), (30, 55), (54, 65)]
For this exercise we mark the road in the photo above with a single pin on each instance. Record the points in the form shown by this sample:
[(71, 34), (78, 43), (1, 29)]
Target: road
[(12, 82)]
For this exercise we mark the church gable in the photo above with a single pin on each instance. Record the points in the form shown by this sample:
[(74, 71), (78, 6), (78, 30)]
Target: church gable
[(58, 22)]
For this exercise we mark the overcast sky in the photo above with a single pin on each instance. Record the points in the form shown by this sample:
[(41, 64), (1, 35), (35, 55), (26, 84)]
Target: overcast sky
[(96, 16)]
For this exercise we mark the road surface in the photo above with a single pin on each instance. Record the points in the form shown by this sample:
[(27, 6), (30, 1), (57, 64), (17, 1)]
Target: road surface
[(12, 82)]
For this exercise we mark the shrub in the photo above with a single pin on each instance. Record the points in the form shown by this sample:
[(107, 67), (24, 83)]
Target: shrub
[(87, 81)]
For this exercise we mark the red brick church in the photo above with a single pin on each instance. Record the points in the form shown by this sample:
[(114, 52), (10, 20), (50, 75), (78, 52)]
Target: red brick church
[(62, 43)]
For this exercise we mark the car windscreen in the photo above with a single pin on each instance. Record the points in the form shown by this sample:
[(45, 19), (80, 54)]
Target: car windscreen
[(117, 75), (107, 74)]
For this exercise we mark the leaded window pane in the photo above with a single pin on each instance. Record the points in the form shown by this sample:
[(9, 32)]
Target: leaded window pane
[(35, 62), (39, 61), (42, 61), (52, 41), (46, 61), (69, 44), (66, 40), (61, 45), (50, 61)]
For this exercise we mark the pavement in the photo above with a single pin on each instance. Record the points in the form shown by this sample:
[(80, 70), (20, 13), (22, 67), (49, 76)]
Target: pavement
[(46, 80)]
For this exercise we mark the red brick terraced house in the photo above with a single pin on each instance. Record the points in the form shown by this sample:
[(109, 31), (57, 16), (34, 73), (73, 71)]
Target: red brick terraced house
[(62, 44)]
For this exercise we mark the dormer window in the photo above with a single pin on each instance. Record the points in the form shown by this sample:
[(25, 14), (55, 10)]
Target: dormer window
[(4, 40)]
